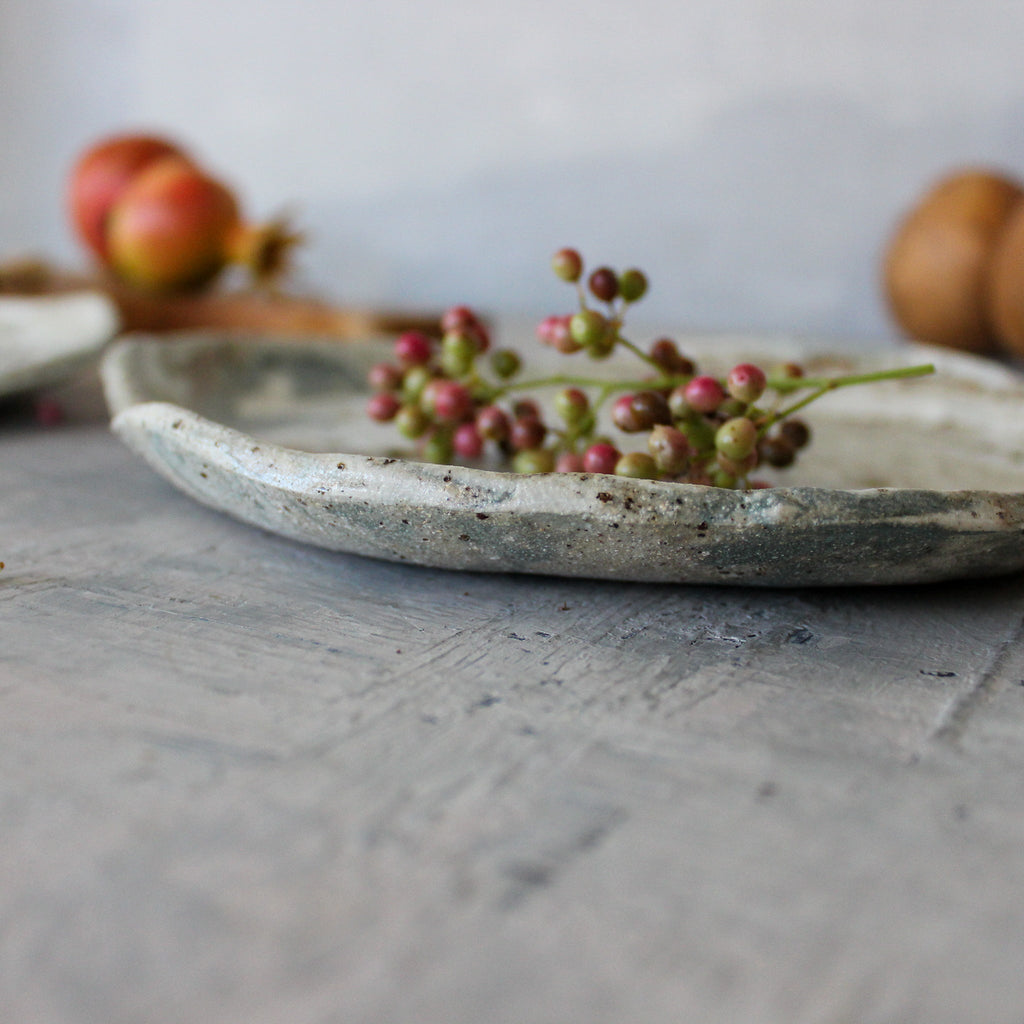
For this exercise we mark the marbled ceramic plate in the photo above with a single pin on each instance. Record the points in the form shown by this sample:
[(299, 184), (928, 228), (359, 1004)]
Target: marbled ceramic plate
[(905, 482), (46, 338)]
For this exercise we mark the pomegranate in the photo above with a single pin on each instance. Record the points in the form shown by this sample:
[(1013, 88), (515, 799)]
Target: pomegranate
[(101, 174), (174, 228)]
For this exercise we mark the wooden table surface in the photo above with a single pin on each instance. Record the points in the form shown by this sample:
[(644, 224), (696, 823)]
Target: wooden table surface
[(243, 780)]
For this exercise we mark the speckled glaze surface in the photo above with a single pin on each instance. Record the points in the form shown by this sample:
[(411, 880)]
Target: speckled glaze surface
[(257, 429)]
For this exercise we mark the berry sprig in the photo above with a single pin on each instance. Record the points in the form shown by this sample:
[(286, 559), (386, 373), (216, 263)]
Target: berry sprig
[(453, 403)]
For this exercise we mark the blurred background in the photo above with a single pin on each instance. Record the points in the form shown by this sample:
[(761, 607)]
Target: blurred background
[(751, 155)]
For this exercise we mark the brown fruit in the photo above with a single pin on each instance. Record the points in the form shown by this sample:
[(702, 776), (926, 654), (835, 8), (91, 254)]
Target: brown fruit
[(937, 263), (1006, 285)]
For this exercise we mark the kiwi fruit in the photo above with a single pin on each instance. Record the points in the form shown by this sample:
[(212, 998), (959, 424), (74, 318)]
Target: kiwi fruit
[(937, 264)]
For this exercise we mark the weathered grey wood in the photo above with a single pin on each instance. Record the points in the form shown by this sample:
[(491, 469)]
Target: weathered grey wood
[(243, 780)]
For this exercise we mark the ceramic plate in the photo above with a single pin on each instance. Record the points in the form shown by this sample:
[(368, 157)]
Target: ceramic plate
[(45, 339), (905, 482)]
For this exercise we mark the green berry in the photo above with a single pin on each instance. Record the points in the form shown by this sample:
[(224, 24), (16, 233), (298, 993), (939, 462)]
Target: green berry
[(736, 438), (567, 264), (589, 328), (700, 434), (534, 460), (632, 285), (637, 465), (572, 406), (458, 351), (411, 421), (438, 447), (415, 380), (669, 448), (737, 467), (505, 363)]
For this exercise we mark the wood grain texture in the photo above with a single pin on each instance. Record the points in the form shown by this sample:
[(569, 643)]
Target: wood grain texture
[(242, 780)]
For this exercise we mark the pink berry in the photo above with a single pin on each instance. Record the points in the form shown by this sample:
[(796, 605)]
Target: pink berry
[(382, 406), (492, 423), (569, 462), (526, 407), (48, 412), (746, 382), (467, 442), (458, 317), (413, 348), (704, 394), (554, 331), (452, 402), (601, 458), (385, 377), (481, 336), (624, 416), (463, 320)]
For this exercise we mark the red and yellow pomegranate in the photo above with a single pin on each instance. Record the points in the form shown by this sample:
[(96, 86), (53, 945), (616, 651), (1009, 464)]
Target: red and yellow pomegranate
[(100, 176)]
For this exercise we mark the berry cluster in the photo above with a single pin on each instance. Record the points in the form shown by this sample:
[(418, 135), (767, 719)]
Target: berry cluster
[(699, 429)]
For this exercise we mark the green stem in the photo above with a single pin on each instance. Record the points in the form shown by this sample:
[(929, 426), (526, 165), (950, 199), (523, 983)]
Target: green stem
[(638, 352), (823, 385), (786, 384)]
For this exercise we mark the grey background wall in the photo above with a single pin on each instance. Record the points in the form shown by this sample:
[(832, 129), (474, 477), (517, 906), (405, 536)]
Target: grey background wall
[(752, 155)]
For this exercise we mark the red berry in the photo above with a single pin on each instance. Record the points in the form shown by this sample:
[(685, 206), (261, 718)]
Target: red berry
[(526, 407), (651, 407), (382, 406), (600, 458), (704, 394), (777, 451), (527, 432), (604, 284), (413, 348), (467, 442), (665, 352), (796, 432)]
